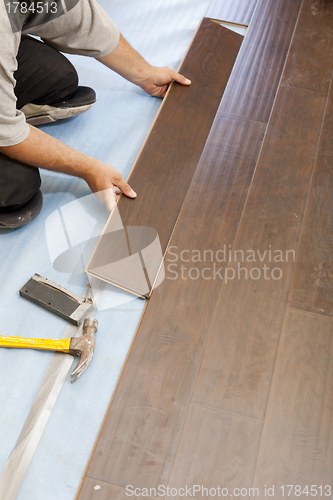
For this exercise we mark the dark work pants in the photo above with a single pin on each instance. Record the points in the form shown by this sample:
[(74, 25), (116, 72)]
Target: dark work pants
[(44, 76)]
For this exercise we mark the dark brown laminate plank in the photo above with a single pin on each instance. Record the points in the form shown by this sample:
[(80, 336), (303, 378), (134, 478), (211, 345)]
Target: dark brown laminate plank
[(297, 441), (237, 366), (168, 160), (310, 60), (139, 439), (215, 450), (108, 491), (253, 84), (312, 284), (232, 11)]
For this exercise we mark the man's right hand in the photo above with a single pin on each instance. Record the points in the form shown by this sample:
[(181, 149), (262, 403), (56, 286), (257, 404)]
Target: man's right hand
[(43, 151), (107, 183)]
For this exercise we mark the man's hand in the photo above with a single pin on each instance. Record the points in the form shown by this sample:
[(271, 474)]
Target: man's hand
[(107, 183), (157, 83), (129, 64)]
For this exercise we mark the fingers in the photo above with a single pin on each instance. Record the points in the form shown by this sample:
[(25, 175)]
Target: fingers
[(107, 184), (120, 182), (177, 77), (161, 91), (160, 79), (108, 198), (172, 75)]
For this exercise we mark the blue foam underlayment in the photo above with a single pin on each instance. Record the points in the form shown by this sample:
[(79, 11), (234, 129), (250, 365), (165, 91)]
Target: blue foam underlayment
[(113, 131)]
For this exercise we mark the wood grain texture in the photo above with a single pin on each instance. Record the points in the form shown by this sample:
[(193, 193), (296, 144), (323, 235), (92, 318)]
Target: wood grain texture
[(312, 283), (254, 81), (310, 61), (216, 450), (139, 439), (237, 366), (297, 442), (138, 443), (107, 491), (166, 164), (232, 11)]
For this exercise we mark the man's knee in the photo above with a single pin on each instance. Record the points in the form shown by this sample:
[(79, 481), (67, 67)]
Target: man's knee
[(44, 75), (18, 182), (20, 197)]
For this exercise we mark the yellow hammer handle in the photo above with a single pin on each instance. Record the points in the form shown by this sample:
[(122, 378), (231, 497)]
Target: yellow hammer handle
[(61, 345)]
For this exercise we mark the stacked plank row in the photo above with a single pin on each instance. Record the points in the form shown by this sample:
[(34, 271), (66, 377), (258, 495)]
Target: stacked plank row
[(229, 382)]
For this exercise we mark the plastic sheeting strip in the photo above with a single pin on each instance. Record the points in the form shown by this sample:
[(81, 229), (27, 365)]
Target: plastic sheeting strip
[(33, 428)]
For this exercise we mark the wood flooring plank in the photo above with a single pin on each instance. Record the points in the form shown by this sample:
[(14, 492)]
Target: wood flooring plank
[(138, 442), (232, 11), (297, 442), (217, 452), (237, 366), (254, 81), (310, 61), (166, 164), (312, 284), (107, 491)]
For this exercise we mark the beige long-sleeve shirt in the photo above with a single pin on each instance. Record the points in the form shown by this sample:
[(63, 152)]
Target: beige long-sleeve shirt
[(75, 26)]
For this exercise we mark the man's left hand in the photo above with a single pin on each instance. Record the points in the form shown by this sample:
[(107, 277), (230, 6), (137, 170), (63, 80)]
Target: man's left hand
[(157, 83)]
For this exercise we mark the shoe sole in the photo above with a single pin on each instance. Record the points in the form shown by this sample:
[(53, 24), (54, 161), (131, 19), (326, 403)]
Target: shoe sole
[(24, 215), (39, 115)]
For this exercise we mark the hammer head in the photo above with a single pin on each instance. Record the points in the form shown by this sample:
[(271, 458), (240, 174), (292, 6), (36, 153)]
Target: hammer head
[(83, 346)]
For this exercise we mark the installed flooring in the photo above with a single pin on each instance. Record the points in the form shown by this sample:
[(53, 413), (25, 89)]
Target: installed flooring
[(229, 382)]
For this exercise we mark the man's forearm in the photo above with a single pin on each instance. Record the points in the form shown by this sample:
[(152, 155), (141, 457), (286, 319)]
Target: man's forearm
[(43, 151), (152, 79), (127, 62)]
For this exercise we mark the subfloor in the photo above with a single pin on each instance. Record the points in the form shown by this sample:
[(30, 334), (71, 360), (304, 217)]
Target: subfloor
[(229, 382)]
